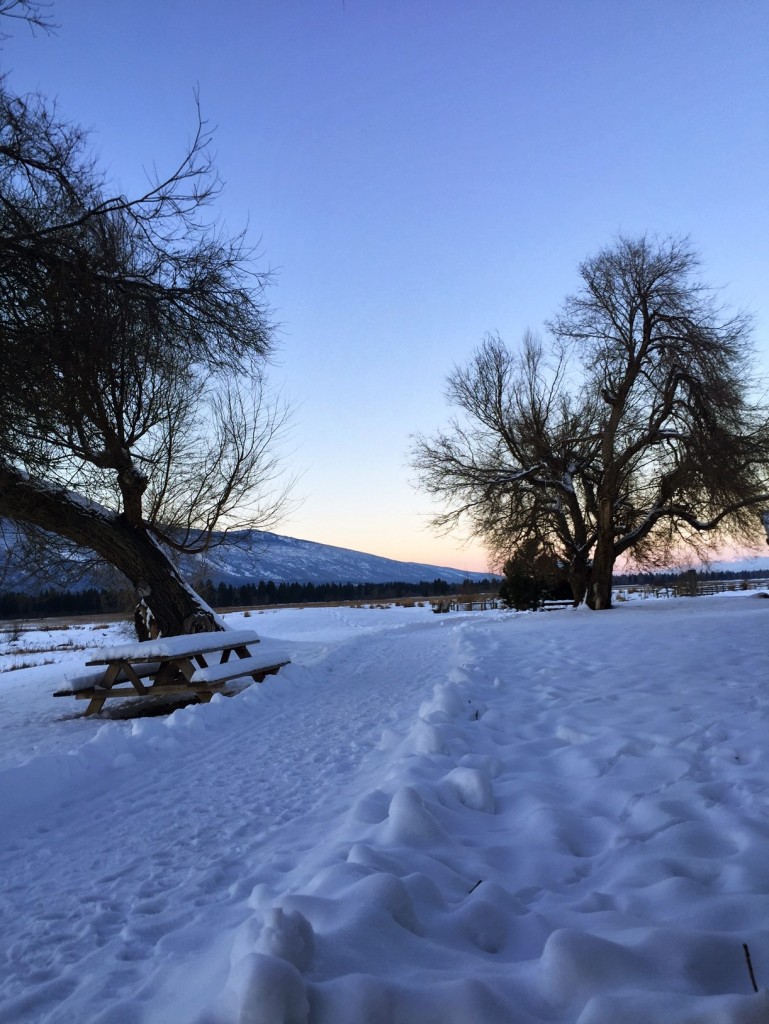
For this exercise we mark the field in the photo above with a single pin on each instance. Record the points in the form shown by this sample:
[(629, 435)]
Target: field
[(469, 818)]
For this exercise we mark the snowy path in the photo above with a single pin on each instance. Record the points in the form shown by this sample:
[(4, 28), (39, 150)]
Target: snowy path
[(423, 820), (138, 860)]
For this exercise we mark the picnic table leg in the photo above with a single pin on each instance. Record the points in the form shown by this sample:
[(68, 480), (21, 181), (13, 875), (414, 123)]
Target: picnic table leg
[(94, 705), (133, 678), (97, 703), (169, 672)]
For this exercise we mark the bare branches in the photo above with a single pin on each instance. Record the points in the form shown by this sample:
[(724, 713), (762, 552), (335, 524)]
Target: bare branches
[(227, 476), (516, 469), (33, 12), (134, 335), (653, 444)]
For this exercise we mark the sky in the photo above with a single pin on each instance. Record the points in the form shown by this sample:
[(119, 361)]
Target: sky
[(418, 173)]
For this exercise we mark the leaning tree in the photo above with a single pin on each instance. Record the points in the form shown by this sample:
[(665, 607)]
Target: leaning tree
[(134, 414), (648, 440)]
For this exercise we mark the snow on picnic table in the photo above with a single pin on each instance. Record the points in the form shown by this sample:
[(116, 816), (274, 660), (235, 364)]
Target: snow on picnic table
[(476, 818), (175, 646)]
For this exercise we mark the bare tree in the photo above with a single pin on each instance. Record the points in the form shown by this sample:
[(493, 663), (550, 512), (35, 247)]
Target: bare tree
[(134, 413), (653, 444), (683, 450), (518, 467)]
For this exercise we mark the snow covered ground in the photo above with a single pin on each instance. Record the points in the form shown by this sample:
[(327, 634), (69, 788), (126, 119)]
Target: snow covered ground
[(476, 818)]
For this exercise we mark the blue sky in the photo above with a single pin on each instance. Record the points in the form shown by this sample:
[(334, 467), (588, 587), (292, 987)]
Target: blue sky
[(419, 173)]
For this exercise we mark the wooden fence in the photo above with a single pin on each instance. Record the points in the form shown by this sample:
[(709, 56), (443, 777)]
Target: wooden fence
[(686, 588)]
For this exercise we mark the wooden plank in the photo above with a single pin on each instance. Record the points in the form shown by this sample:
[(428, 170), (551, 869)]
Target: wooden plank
[(235, 669), (88, 692), (271, 670), (124, 691)]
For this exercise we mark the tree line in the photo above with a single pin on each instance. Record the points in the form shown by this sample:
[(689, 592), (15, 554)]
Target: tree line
[(51, 602), (227, 595), (93, 600), (662, 579)]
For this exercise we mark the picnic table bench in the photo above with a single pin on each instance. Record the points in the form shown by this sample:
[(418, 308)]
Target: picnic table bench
[(197, 663)]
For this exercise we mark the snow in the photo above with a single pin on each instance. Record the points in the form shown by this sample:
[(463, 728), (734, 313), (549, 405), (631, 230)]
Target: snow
[(176, 646), (474, 818)]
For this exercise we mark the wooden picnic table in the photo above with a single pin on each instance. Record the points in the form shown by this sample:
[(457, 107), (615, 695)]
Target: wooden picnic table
[(200, 663)]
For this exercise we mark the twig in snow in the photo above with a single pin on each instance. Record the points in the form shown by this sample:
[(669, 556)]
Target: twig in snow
[(750, 966)]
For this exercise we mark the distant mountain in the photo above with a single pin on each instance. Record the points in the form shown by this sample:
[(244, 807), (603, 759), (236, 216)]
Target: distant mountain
[(251, 555)]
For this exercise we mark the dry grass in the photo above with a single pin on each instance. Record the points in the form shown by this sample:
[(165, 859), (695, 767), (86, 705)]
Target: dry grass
[(66, 622), (28, 664)]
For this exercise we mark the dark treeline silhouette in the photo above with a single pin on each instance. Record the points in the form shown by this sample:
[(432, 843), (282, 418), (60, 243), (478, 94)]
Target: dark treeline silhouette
[(666, 579), (225, 595), (17, 605)]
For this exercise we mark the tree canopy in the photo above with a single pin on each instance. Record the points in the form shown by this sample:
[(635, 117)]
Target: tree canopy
[(634, 431), (134, 410)]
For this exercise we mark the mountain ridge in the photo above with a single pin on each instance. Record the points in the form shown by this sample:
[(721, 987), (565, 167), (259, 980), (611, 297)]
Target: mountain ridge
[(252, 555), (249, 556)]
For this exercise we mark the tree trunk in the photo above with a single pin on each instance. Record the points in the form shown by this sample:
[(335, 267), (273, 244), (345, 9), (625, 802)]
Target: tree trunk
[(599, 591), (175, 607), (579, 577)]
